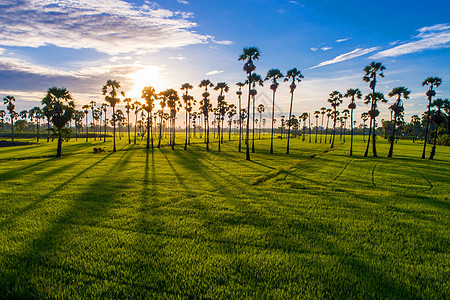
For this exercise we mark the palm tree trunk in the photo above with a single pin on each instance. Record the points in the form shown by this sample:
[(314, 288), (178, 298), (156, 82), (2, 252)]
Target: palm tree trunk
[(247, 153), (391, 148), (218, 129), (114, 130), (104, 137), (12, 129), (368, 138), (321, 130), (129, 136), (433, 150), (351, 135), (253, 126), (87, 129), (58, 151), (326, 130), (160, 130), (148, 130), (273, 116), (317, 128), (426, 130), (240, 123), (334, 127), (289, 123), (186, 141), (374, 134), (38, 131), (207, 132), (309, 126)]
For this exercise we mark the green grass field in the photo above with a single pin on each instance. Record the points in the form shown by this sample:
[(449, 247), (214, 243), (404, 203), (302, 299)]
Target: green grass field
[(192, 224)]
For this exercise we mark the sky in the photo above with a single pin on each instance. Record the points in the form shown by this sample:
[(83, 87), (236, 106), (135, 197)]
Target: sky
[(80, 44)]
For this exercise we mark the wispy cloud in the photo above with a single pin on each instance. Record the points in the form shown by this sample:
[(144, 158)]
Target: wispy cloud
[(179, 57), (214, 72), (346, 56), (111, 27), (183, 1), (342, 40), (431, 37), (314, 49), (326, 48), (281, 11), (294, 2)]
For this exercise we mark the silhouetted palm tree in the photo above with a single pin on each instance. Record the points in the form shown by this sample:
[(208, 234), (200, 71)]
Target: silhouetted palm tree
[(438, 120), (224, 88), (110, 89), (9, 101), (273, 75), (255, 78), (187, 99), (92, 107), (239, 94), (397, 108), (230, 113), (374, 112), (59, 103), (329, 110), (344, 118), (295, 76), (432, 82), (249, 55), (127, 110), (335, 100), (260, 109), (364, 117), (173, 102), (371, 72), (352, 94), (323, 110), (205, 107), (150, 96), (316, 115), (104, 108)]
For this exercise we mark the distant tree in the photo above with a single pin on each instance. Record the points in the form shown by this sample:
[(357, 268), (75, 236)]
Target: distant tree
[(437, 119), (60, 105), (273, 75), (344, 118), (173, 102), (255, 78), (230, 113), (127, 111), (239, 94), (2, 118), (433, 82), (86, 111), (283, 124), (110, 91), (92, 106), (295, 76), (364, 117), (323, 111), (397, 109), (371, 71), (9, 101), (205, 107), (335, 100), (104, 108), (329, 110), (353, 94), (188, 102), (150, 96), (249, 55), (223, 88), (78, 117), (303, 117), (119, 118), (316, 115), (260, 109), (373, 99)]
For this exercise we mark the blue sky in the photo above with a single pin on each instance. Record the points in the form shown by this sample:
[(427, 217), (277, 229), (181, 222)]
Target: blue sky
[(80, 44)]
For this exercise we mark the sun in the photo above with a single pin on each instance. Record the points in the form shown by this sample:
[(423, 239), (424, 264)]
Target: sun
[(148, 76)]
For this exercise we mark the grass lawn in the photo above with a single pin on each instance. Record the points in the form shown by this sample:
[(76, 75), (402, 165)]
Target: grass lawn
[(195, 224)]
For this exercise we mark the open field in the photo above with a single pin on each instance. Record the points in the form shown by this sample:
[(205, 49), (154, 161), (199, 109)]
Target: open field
[(192, 224)]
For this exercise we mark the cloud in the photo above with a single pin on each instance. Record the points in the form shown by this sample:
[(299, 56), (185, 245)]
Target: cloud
[(314, 49), (179, 57), (110, 27), (294, 2), (326, 48), (281, 11), (431, 37), (214, 72), (346, 56), (182, 1), (2, 51), (342, 40), (224, 42)]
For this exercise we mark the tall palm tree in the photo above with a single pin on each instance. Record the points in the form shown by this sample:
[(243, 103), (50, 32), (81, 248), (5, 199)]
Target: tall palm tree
[(371, 72), (173, 102), (239, 94), (162, 103), (335, 100), (344, 118), (92, 107), (205, 107), (249, 55), (433, 82), (2, 118), (373, 99), (150, 96), (62, 108), (110, 91), (316, 115), (104, 108), (127, 110), (353, 94), (224, 88), (260, 109), (295, 76), (187, 99), (397, 108), (230, 113), (329, 110), (437, 119), (119, 117), (273, 75), (9, 101), (136, 107), (323, 110), (303, 117), (86, 112), (255, 78)]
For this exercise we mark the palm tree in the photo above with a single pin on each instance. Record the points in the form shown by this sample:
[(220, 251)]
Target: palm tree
[(329, 110), (59, 103), (260, 109), (223, 87), (104, 108), (128, 108), (438, 120), (230, 113), (162, 103), (205, 107), (78, 117), (335, 100), (9, 101), (432, 82), (323, 110), (294, 76), (352, 94), (92, 107), (150, 96), (86, 112), (36, 112), (344, 118), (187, 99), (249, 55), (119, 117), (255, 78), (173, 102), (273, 75), (371, 72), (239, 94), (2, 118), (303, 117), (397, 108), (110, 89), (373, 113), (316, 115), (364, 117)]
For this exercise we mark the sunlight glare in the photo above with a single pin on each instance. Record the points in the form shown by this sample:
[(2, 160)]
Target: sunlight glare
[(149, 76)]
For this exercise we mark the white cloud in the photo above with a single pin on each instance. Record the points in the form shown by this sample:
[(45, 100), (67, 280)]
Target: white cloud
[(281, 11), (2, 51), (294, 2), (346, 56), (225, 42), (111, 27), (214, 72), (342, 40), (326, 48), (314, 49), (179, 57), (183, 1), (431, 37)]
